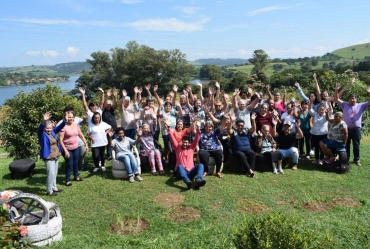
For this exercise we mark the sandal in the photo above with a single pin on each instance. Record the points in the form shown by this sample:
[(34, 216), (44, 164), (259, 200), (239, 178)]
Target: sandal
[(154, 173), (79, 179), (68, 184), (162, 172), (220, 175)]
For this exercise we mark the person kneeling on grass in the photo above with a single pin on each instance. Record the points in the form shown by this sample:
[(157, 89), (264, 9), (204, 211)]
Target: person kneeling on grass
[(185, 168), (122, 146), (337, 137)]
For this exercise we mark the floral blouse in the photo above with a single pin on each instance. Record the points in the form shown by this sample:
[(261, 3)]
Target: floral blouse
[(209, 141)]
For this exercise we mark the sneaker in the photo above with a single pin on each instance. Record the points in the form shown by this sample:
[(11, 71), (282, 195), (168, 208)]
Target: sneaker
[(321, 162), (103, 168), (138, 178), (96, 169), (131, 179), (358, 163), (294, 167), (312, 153), (274, 170), (189, 185), (198, 184), (281, 171)]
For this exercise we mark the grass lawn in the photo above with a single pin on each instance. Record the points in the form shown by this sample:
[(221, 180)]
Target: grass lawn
[(90, 208)]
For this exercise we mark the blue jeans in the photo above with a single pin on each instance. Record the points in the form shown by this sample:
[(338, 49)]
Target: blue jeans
[(291, 153), (185, 175), (72, 164), (130, 163), (354, 134), (131, 133)]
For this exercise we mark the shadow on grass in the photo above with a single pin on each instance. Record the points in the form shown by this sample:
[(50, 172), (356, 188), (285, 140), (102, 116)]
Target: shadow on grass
[(173, 182)]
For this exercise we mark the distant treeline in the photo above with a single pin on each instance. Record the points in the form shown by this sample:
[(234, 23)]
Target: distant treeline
[(222, 62), (70, 67)]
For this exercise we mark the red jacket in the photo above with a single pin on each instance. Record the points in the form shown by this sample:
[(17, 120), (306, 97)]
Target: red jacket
[(185, 157)]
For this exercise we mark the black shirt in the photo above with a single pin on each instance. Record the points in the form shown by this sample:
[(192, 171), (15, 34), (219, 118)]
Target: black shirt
[(286, 141)]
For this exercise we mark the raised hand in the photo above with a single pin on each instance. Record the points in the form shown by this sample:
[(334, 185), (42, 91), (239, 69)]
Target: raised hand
[(314, 75), (296, 84), (253, 116), (110, 133), (140, 90), (177, 103), (137, 116), (337, 86), (147, 87), (155, 88), (298, 122), (222, 93), (217, 85), (267, 87), (171, 94), (115, 92), (353, 80), (82, 91), (175, 88), (139, 132), (188, 89), (259, 133), (199, 84), (275, 120), (211, 91), (47, 116), (236, 92), (109, 92), (124, 93), (205, 108), (284, 91), (101, 89), (275, 113), (250, 90), (186, 93)]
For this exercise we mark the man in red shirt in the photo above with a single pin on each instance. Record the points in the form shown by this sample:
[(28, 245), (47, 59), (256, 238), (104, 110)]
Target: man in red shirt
[(185, 168)]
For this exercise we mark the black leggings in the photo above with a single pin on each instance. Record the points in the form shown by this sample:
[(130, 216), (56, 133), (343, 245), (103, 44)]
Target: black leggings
[(247, 159), (98, 155), (204, 157), (307, 140), (316, 144)]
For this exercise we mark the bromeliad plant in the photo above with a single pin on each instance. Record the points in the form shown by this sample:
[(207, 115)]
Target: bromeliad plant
[(11, 234)]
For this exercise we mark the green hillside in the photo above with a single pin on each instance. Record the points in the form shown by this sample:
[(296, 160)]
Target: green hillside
[(354, 52)]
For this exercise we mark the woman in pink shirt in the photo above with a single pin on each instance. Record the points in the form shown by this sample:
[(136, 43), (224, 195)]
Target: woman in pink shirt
[(69, 142), (279, 104)]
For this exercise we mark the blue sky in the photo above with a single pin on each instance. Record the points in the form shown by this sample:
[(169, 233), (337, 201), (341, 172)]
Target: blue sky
[(46, 32)]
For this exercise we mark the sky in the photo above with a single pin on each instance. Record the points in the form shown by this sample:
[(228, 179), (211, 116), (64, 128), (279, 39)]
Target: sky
[(47, 32)]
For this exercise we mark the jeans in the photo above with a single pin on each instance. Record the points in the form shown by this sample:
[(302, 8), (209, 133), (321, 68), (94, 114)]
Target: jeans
[(291, 153), (354, 134), (52, 172), (130, 163), (131, 133), (72, 164), (81, 160), (185, 175)]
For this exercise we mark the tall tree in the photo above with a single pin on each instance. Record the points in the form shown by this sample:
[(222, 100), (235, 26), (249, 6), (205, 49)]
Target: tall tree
[(260, 60)]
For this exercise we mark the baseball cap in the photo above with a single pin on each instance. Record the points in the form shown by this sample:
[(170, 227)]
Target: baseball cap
[(109, 102), (287, 122)]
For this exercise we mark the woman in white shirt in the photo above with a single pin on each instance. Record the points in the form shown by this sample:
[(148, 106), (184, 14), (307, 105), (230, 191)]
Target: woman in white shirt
[(98, 135)]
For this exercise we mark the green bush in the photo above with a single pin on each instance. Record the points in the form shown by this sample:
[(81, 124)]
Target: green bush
[(278, 231), (21, 116)]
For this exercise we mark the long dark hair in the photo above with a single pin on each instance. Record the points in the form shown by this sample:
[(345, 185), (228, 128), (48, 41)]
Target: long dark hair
[(92, 119)]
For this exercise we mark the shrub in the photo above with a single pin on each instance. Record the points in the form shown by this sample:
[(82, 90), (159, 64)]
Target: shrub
[(23, 115), (277, 231)]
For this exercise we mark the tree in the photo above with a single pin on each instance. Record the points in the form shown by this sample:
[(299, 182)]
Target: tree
[(239, 80), (260, 60), (211, 72), (136, 65), (22, 116)]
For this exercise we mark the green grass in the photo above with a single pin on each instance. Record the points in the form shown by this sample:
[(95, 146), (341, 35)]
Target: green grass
[(90, 207), (355, 52)]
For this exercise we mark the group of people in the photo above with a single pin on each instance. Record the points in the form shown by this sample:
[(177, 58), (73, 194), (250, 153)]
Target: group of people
[(208, 126)]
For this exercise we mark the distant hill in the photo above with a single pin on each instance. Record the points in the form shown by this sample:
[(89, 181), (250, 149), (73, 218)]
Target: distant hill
[(220, 62), (354, 52), (70, 67)]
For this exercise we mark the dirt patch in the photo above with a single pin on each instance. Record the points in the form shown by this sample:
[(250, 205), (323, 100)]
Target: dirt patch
[(316, 206), (252, 206), (346, 202), (129, 227), (183, 214), (169, 199)]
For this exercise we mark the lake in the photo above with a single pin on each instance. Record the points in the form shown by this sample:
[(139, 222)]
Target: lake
[(9, 92)]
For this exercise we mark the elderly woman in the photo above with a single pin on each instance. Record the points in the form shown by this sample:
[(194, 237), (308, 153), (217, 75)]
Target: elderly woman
[(266, 146), (50, 150), (122, 146), (147, 147), (337, 137), (98, 135), (264, 117), (69, 141), (209, 147)]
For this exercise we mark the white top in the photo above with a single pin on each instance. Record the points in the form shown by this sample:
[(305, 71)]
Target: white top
[(128, 118), (320, 123), (90, 114), (244, 115), (98, 133), (290, 118)]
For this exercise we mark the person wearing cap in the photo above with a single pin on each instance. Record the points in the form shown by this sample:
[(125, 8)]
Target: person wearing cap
[(337, 137), (352, 116), (109, 117), (286, 140), (289, 115)]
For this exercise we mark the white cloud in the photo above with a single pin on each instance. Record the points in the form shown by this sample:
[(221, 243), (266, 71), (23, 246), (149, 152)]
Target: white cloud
[(367, 40), (103, 23), (188, 10), (169, 24), (271, 8), (131, 1), (46, 53), (72, 51)]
